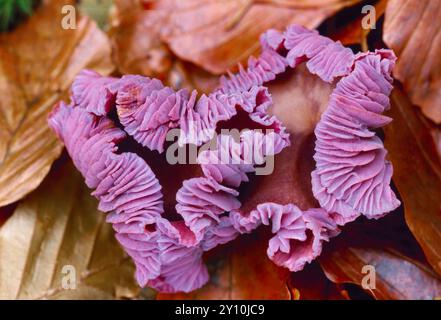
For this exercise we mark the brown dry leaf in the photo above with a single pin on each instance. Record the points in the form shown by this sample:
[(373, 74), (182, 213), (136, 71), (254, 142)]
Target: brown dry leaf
[(241, 270), (138, 49), (412, 29), (217, 35), (397, 277), (400, 269), (134, 34), (56, 226), (38, 61), (417, 173)]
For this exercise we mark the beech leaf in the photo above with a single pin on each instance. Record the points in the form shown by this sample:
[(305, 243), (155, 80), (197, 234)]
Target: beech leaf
[(38, 61), (384, 257), (417, 173), (397, 277), (56, 226), (412, 29), (217, 35), (138, 49), (135, 38)]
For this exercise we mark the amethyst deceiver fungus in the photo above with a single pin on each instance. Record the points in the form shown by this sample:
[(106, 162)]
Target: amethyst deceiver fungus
[(166, 216)]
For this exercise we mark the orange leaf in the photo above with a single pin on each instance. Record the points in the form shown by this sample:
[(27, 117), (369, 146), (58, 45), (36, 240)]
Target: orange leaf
[(217, 35), (136, 44), (138, 49), (417, 174), (38, 61), (387, 246), (412, 29)]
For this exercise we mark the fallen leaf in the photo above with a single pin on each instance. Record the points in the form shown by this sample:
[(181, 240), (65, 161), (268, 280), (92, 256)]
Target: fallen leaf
[(138, 49), (386, 245), (217, 35), (412, 29), (136, 45), (240, 271), (56, 226), (417, 173), (38, 61)]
